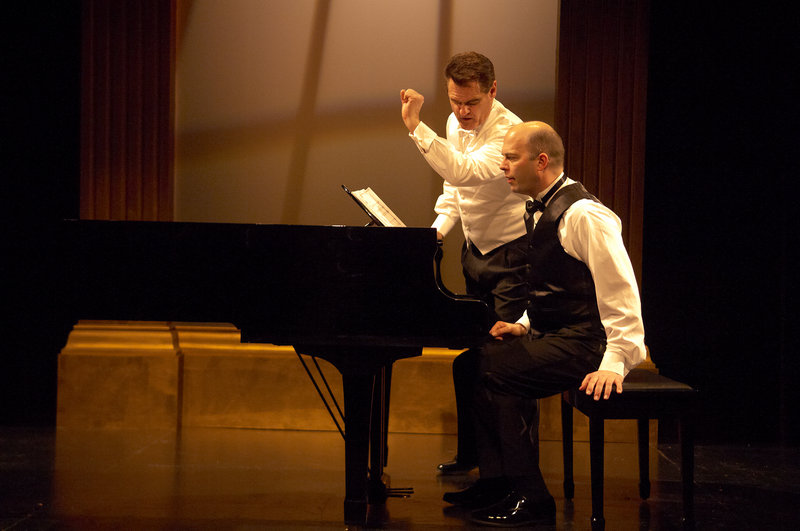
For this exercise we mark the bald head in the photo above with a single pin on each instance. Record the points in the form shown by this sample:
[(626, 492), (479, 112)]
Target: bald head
[(533, 157), (540, 137)]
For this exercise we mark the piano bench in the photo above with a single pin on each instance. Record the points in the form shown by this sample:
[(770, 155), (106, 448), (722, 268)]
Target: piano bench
[(646, 395)]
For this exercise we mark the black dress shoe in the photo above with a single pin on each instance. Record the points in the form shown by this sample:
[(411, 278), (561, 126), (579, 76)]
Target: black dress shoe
[(455, 467), (517, 511), (483, 493)]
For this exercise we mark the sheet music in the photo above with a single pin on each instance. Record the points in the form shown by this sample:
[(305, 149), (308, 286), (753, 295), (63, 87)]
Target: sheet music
[(378, 208)]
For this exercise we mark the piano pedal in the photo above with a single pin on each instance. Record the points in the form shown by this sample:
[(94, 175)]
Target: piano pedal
[(399, 492), (379, 490)]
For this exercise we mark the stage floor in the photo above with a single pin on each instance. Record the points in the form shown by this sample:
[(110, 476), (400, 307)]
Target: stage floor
[(276, 479)]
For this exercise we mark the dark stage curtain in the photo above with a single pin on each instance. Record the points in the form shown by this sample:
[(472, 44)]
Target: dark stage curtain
[(127, 140), (601, 101)]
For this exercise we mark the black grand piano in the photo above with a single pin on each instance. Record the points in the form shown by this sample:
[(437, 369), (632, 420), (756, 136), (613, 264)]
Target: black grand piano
[(358, 297)]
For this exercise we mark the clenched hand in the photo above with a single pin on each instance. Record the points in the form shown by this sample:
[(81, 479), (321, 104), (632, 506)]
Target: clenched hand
[(412, 105)]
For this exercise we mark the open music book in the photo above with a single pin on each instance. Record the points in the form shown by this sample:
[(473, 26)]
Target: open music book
[(376, 209)]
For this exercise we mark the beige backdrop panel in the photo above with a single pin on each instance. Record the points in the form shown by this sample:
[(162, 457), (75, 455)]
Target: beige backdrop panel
[(283, 101)]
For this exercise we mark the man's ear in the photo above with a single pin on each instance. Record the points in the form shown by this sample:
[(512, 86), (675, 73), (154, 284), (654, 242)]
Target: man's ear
[(542, 161)]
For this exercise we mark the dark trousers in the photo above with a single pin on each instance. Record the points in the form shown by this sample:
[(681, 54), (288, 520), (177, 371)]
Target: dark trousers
[(498, 279), (513, 374)]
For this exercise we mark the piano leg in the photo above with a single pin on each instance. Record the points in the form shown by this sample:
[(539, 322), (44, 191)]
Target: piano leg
[(358, 393), (366, 382), (386, 393), (379, 434)]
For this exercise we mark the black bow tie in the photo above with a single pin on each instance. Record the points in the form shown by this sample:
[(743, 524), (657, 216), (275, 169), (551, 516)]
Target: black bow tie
[(533, 205)]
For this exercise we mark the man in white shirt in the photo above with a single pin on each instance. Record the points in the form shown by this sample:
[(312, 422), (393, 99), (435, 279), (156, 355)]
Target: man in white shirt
[(582, 327), (476, 194)]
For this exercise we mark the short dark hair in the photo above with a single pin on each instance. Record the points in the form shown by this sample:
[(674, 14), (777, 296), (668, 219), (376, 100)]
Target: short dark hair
[(467, 67), (545, 139)]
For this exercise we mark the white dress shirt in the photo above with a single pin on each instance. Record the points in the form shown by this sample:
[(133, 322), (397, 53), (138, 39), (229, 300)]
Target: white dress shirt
[(475, 190), (592, 233)]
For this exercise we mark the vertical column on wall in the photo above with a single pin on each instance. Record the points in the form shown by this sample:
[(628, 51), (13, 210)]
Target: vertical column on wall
[(439, 104), (127, 105), (304, 120), (601, 105)]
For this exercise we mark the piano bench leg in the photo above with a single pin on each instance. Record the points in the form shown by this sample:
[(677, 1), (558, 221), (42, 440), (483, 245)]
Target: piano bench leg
[(566, 446), (596, 462)]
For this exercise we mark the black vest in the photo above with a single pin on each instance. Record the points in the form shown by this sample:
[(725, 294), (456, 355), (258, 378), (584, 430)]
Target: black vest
[(562, 293)]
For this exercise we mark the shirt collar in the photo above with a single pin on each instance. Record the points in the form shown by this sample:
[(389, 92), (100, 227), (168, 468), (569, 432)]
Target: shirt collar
[(467, 132), (541, 194)]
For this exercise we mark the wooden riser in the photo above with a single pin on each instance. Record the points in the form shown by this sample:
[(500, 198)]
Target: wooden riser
[(161, 375)]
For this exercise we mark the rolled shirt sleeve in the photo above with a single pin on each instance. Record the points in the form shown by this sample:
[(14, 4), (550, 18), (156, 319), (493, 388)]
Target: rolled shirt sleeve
[(475, 193), (591, 232)]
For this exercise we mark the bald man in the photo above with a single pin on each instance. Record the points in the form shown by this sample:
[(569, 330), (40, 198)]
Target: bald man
[(582, 327)]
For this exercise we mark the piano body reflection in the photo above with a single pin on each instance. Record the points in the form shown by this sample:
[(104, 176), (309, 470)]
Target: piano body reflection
[(358, 297)]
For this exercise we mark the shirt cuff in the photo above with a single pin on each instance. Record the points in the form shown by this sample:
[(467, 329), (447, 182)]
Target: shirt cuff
[(525, 321), (443, 224), (423, 136), (614, 363)]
